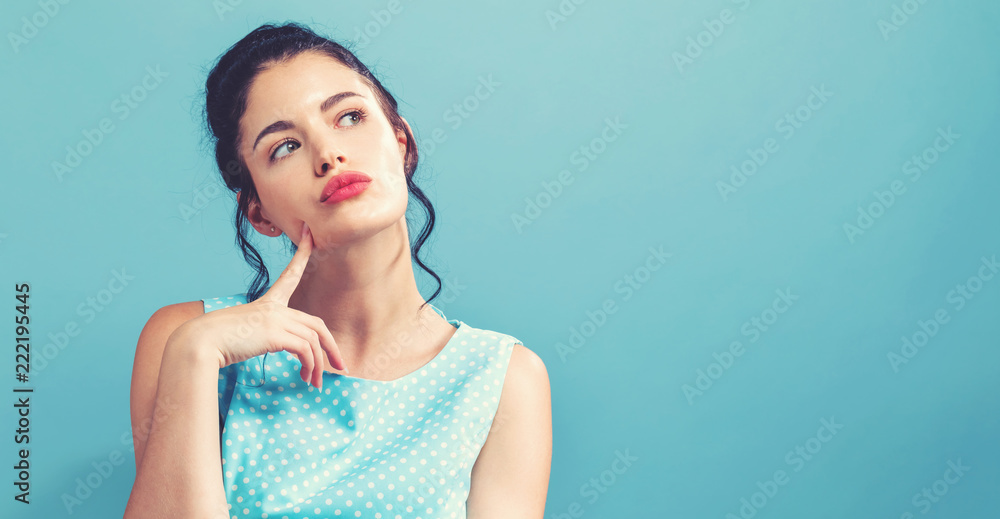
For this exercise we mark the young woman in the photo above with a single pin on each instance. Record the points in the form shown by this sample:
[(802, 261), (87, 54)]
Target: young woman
[(338, 391)]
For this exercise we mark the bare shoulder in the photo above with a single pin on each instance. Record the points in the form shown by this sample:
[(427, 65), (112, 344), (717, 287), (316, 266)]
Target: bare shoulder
[(155, 333), (158, 328), (526, 395), (146, 365), (172, 316), (527, 369)]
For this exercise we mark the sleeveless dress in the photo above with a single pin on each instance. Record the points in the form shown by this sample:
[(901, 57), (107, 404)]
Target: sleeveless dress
[(396, 449)]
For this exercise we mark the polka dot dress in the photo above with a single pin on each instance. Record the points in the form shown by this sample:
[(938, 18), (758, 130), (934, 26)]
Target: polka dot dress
[(395, 449)]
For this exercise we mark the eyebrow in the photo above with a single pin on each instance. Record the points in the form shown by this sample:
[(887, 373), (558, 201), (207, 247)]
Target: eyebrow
[(278, 126)]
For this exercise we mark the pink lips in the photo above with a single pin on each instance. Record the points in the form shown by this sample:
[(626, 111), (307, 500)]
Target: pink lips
[(344, 186)]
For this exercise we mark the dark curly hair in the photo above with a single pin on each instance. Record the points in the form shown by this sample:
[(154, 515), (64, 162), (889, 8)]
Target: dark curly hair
[(226, 92)]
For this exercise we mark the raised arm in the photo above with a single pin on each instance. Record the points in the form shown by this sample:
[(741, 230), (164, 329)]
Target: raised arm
[(175, 389), (175, 425)]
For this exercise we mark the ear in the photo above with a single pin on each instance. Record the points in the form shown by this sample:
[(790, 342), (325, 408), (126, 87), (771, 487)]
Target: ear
[(257, 216), (401, 138)]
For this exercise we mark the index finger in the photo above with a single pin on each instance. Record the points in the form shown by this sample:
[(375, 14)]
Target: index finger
[(282, 289)]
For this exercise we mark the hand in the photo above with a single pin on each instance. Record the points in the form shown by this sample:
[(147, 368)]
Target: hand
[(268, 325)]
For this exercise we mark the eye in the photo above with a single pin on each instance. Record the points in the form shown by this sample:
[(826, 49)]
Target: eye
[(288, 145), (355, 116)]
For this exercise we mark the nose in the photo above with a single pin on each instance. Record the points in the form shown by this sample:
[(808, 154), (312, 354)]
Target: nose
[(329, 157)]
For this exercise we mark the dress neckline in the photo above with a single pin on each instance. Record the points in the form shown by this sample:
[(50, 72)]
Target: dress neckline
[(459, 327)]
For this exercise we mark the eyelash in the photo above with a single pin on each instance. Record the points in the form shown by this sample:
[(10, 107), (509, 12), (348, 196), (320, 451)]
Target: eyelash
[(362, 116)]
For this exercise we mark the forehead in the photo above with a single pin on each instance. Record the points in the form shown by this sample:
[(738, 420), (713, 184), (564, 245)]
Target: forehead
[(299, 84)]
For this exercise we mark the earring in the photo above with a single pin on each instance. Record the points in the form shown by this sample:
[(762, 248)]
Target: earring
[(272, 229)]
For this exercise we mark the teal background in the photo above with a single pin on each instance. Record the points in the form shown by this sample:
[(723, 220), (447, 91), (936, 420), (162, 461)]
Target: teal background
[(149, 201)]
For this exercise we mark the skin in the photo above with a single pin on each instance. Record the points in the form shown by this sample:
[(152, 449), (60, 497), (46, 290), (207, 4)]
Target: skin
[(358, 275), (359, 279)]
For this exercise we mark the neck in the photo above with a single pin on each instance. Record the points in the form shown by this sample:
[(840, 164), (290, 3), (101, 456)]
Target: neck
[(366, 294)]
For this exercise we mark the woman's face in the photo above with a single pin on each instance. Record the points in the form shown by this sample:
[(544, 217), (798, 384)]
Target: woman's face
[(306, 121)]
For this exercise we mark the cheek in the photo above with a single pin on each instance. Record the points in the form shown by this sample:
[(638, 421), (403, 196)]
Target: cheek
[(394, 176), (388, 160), (388, 146), (273, 196)]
